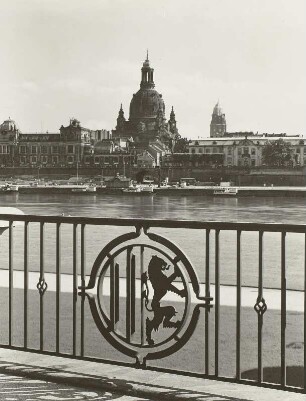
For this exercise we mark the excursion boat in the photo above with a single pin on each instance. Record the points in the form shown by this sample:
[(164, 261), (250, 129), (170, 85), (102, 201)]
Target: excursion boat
[(226, 191), (84, 189), (138, 190), (9, 188)]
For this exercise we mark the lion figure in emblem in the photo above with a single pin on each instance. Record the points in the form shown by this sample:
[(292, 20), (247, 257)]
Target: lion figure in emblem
[(161, 284)]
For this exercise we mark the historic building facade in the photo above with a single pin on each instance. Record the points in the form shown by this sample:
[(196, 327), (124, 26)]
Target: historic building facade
[(147, 125), (247, 151)]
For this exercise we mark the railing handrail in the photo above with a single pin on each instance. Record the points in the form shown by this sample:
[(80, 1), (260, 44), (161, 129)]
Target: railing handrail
[(188, 224)]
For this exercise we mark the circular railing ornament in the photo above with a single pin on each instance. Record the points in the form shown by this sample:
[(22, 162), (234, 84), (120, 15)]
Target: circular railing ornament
[(143, 287)]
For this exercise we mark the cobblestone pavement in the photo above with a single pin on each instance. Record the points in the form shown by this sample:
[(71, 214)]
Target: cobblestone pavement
[(14, 388)]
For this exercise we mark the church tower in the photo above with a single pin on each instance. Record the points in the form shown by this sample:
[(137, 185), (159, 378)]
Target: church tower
[(218, 122), (120, 120)]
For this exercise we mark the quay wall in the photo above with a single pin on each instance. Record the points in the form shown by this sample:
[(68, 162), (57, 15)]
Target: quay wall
[(238, 176)]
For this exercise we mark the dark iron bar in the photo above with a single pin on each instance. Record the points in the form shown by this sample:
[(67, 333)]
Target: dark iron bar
[(260, 299), (133, 294), (11, 281), (305, 313), (238, 310), (26, 284), (75, 289), (83, 263), (283, 310), (117, 293), (112, 295), (142, 299), (195, 225), (41, 279), (217, 301), (128, 294), (207, 294), (58, 284)]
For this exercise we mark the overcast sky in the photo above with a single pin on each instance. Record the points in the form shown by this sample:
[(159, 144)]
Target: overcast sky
[(82, 58)]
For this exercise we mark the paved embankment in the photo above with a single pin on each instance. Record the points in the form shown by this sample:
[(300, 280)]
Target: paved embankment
[(136, 384)]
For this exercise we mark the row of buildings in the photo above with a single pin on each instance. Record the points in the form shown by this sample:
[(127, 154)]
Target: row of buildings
[(146, 139)]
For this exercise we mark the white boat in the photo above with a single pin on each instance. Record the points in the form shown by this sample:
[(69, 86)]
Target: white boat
[(9, 188), (84, 188), (226, 191), (138, 191)]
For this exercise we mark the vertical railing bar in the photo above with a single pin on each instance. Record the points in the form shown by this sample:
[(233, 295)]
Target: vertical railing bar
[(83, 262), (142, 289), (41, 278), (259, 299), (117, 293), (58, 284), (283, 309), (217, 301), (112, 294), (207, 294), (238, 306), (133, 294), (26, 284), (75, 289), (11, 282), (128, 294), (305, 313)]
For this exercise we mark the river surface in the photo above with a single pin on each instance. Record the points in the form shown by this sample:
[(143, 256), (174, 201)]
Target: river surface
[(199, 208)]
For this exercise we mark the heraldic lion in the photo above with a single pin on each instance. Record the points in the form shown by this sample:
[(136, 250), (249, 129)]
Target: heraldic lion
[(161, 284)]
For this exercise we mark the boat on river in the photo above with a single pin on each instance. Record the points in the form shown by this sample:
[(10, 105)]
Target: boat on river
[(225, 191), (139, 190), (9, 188)]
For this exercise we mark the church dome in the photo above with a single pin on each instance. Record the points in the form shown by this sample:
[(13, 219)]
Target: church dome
[(146, 103), (8, 125)]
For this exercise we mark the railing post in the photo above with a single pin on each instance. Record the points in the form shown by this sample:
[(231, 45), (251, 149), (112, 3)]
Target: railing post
[(207, 294), (83, 263), (26, 284), (75, 288), (217, 301), (11, 282), (238, 306), (283, 309), (58, 284)]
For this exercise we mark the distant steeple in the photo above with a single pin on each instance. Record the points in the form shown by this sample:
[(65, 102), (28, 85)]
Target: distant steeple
[(120, 119), (218, 122)]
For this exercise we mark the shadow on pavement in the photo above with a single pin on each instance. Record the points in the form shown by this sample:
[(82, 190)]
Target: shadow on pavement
[(272, 374)]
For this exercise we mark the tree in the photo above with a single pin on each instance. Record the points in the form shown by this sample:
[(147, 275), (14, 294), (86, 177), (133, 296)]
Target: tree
[(277, 153), (181, 146)]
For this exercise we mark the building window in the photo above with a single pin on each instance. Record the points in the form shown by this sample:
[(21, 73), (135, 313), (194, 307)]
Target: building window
[(87, 159), (239, 151), (229, 151), (70, 149), (297, 150), (23, 160), (253, 162), (253, 151), (106, 160), (207, 150), (33, 159), (44, 159), (215, 150), (70, 159), (44, 149), (55, 159), (245, 151), (97, 159), (200, 150), (23, 149), (193, 150), (34, 150), (55, 149)]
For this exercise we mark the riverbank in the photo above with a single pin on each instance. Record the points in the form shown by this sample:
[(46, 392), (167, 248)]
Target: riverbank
[(271, 191)]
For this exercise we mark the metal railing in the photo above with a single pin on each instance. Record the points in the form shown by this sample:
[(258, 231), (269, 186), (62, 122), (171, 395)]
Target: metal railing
[(117, 269)]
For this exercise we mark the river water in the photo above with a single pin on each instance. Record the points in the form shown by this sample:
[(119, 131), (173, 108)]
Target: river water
[(248, 209)]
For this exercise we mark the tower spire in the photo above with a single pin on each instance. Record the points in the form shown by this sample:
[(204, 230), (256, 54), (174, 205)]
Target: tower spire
[(147, 59)]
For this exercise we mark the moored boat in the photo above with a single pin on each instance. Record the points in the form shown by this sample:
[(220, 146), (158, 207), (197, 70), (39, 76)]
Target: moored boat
[(226, 191)]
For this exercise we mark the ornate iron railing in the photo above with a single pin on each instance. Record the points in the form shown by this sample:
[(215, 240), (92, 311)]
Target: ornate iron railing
[(144, 294)]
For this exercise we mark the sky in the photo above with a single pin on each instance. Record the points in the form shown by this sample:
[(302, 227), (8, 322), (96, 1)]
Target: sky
[(75, 58)]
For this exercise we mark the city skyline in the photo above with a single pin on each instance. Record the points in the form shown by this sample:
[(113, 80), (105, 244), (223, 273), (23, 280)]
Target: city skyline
[(63, 60)]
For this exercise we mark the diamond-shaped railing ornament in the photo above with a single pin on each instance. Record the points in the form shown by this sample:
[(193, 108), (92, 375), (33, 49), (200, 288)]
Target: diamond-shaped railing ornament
[(42, 286), (260, 306)]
